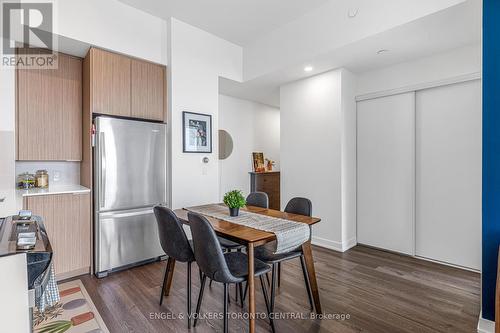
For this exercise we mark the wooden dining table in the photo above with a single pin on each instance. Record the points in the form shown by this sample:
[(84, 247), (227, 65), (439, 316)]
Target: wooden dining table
[(252, 238)]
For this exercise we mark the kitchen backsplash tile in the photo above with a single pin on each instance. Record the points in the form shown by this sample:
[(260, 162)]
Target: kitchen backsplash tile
[(60, 172)]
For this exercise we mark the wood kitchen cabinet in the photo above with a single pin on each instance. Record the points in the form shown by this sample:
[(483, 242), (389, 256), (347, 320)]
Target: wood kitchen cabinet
[(118, 85), (67, 220), (49, 111), (109, 83), (148, 90)]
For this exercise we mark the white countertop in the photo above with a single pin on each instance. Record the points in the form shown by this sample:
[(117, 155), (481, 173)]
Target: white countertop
[(53, 189)]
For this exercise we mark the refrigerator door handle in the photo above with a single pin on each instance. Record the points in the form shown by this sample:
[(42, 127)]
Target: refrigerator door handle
[(102, 172), (137, 212)]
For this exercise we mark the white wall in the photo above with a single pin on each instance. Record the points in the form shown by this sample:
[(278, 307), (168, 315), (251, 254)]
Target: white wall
[(454, 63), (113, 25), (348, 157), (253, 127), (316, 145), (7, 140), (196, 60)]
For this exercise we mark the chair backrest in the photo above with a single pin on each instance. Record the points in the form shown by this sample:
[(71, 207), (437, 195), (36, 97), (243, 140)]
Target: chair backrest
[(207, 250), (258, 199), (173, 239), (300, 206)]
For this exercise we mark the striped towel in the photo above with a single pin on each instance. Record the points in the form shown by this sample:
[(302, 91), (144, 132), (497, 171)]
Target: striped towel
[(50, 295), (289, 234)]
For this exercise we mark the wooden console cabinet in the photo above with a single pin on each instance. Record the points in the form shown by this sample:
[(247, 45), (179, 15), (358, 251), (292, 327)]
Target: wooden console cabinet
[(268, 182)]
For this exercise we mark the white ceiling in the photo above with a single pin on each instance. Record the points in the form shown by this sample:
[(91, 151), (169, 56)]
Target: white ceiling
[(445, 30), (238, 21), (248, 22)]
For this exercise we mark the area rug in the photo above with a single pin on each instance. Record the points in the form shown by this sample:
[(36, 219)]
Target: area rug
[(74, 313)]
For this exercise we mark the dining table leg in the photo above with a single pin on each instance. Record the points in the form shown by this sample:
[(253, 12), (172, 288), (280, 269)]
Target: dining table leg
[(311, 272), (251, 288), (170, 267)]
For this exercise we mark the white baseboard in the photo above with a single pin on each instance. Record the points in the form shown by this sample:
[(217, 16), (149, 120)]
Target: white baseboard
[(349, 244), (334, 245), (485, 325)]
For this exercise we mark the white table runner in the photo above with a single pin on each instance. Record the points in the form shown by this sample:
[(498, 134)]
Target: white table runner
[(289, 234)]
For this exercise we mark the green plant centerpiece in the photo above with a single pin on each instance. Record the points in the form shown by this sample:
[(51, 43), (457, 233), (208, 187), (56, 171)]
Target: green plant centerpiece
[(234, 200)]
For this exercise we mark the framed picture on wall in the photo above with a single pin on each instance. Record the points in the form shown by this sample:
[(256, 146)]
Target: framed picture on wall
[(197, 132)]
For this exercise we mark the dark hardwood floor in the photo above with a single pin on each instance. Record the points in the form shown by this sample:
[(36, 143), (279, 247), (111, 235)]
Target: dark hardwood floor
[(379, 291)]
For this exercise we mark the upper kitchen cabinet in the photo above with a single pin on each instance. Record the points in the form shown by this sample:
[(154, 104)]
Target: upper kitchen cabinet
[(109, 83), (148, 90), (118, 85), (49, 111)]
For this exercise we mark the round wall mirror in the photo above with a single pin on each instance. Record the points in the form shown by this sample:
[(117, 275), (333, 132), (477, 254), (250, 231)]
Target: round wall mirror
[(225, 144)]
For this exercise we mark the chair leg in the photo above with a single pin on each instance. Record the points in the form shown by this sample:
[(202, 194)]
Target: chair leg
[(306, 280), (273, 285), (200, 298), (246, 291), (268, 281), (266, 300), (240, 287), (189, 294), (200, 273), (165, 277), (236, 292), (279, 274), (226, 299)]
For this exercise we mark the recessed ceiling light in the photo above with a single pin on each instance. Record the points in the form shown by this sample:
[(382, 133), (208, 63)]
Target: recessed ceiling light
[(308, 68), (382, 51)]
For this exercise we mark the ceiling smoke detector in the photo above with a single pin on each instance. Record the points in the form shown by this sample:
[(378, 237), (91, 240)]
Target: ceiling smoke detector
[(381, 51)]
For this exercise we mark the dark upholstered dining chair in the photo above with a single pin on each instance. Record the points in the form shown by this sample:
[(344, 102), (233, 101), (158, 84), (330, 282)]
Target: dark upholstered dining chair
[(258, 199), (299, 206), (177, 247), (226, 268)]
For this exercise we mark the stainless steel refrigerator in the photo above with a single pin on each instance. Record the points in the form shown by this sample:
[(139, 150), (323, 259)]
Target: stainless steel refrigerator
[(129, 180)]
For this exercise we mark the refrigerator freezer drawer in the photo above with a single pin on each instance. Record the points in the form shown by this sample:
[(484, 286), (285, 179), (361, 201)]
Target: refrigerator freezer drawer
[(126, 237)]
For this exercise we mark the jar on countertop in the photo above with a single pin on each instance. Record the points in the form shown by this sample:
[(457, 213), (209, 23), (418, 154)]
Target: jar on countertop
[(25, 181), (42, 178)]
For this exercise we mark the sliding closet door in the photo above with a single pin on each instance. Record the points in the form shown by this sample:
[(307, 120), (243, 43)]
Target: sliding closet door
[(386, 161), (448, 178)]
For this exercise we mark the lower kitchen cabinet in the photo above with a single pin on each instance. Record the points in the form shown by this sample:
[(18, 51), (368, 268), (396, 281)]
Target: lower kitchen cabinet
[(67, 220)]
